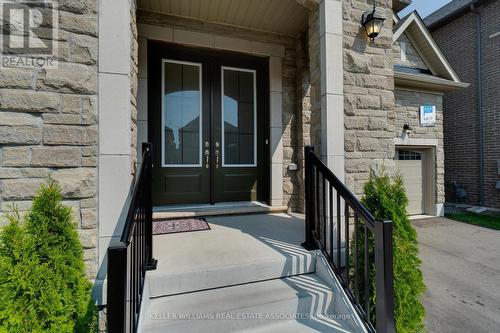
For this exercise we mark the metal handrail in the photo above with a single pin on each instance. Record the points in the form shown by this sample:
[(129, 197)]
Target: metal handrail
[(132, 256), (321, 187)]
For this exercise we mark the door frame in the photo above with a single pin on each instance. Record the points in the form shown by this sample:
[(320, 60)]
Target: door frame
[(231, 59)]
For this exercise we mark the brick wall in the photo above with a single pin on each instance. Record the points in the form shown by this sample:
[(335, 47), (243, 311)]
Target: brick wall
[(490, 17), (48, 126), (457, 40)]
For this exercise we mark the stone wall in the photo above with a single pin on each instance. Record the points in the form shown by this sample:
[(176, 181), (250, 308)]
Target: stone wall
[(413, 59), (314, 81), (48, 126), (303, 109), (368, 95), (407, 111), (290, 130)]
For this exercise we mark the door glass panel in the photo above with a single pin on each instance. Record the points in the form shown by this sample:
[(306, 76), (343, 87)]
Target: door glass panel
[(238, 117), (181, 118)]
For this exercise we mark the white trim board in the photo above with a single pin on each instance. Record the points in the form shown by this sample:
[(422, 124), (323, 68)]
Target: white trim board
[(415, 19), (408, 141)]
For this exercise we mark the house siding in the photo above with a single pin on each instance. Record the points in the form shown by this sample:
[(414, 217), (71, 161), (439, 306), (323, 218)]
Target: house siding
[(457, 40), (48, 126)]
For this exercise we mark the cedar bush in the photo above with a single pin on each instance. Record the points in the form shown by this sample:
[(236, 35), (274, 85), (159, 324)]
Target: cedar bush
[(43, 286), (385, 197)]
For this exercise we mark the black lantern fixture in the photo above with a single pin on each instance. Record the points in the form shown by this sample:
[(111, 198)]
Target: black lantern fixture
[(372, 21)]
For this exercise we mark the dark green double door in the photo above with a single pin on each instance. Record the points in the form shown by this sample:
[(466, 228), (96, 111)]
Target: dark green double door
[(208, 123)]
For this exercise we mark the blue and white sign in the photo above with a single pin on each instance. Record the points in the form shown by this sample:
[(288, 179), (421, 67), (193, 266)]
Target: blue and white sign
[(428, 115)]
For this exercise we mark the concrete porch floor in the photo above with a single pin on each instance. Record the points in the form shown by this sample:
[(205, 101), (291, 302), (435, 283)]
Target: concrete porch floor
[(262, 246), (245, 265)]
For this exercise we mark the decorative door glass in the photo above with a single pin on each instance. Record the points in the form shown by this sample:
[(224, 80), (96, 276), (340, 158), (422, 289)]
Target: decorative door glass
[(239, 112), (181, 115)]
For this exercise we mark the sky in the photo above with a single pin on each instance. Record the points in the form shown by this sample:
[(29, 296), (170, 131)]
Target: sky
[(424, 7)]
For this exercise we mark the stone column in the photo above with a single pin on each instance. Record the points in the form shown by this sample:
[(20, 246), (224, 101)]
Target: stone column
[(115, 137), (332, 87)]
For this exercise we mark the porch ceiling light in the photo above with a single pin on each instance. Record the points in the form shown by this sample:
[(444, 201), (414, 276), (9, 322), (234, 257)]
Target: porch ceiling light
[(372, 21)]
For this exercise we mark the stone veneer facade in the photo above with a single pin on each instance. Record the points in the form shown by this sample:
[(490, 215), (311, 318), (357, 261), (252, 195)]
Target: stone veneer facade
[(368, 95), (48, 119), (407, 111), (48, 126)]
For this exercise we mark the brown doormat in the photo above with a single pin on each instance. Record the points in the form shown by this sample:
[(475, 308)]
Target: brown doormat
[(173, 226)]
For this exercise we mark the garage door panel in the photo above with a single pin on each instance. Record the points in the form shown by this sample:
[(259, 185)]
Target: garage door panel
[(412, 173)]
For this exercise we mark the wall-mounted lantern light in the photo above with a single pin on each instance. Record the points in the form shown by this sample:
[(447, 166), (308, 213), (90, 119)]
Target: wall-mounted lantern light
[(372, 21), (407, 129)]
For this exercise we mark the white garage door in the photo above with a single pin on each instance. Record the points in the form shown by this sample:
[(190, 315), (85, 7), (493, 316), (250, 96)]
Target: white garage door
[(411, 169)]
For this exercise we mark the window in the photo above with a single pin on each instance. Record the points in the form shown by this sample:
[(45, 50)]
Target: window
[(409, 155), (402, 46), (181, 114), (239, 117)]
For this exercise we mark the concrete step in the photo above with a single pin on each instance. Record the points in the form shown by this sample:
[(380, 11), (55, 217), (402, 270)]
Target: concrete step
[(303, 303), (228, 208), (237, 250), (216, 274)]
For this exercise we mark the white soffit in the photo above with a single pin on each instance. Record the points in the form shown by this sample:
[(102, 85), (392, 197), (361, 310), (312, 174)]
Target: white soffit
[(414, 28), (285, 17)]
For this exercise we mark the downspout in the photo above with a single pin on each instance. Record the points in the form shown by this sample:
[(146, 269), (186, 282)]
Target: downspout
[(475, 9)]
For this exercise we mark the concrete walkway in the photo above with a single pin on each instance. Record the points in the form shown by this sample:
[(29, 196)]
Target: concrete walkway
[(461, 266)]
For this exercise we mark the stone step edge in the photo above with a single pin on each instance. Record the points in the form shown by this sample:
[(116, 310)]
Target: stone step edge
[(221, 211)]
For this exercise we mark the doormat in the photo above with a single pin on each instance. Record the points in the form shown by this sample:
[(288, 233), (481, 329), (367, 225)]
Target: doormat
[(173, 226)]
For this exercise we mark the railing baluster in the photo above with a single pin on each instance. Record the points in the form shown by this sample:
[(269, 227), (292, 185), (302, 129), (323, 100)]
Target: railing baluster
[(317, 203), (367, 276), (132, 256), (325, 216), (117, 272), (346, 244), (320, 220), (309, 198), (339, 230), (356, 258), (331, 220)]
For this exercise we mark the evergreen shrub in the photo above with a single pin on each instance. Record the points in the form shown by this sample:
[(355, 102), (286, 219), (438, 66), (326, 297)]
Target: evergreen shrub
[(385, 197), (43, 285)]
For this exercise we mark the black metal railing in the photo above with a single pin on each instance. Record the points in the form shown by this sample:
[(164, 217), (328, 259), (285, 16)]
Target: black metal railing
[(132, 256), (357, 247)]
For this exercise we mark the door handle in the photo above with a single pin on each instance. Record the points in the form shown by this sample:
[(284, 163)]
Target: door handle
[(207, 160), (217, 153)]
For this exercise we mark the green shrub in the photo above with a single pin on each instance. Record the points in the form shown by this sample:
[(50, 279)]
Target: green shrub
[(43, 287), (386, 199)]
